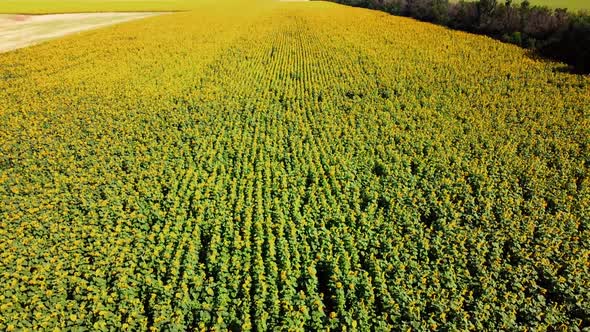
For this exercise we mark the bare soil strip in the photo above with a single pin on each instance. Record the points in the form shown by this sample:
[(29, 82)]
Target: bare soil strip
[(17, 31)]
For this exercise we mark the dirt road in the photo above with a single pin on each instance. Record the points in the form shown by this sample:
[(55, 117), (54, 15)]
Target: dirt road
[(17, 31)]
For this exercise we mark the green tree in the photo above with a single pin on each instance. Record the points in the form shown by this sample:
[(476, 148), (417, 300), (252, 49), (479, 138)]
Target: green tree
[(486, 10), (440, 11)]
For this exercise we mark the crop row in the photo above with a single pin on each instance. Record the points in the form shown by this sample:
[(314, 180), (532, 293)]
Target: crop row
[(300, 166)]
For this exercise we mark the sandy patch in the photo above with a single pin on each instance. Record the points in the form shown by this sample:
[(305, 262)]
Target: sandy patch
[(18, 31)]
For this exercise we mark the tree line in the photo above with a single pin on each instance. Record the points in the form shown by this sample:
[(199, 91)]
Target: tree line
[(554, 33)]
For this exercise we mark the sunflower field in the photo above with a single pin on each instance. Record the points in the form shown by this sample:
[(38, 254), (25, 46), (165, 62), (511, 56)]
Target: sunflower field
[(293, 166)]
